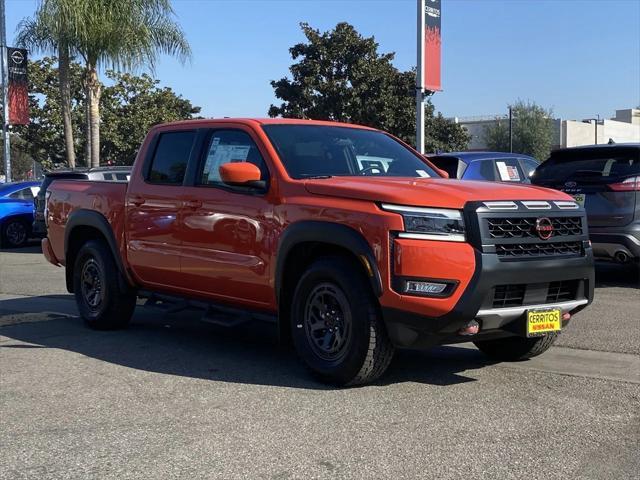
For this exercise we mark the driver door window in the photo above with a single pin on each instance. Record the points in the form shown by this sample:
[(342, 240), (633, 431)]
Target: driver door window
[(226, 146)]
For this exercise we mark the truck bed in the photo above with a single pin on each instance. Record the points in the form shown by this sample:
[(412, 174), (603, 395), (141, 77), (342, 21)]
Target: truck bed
[(69, 196)]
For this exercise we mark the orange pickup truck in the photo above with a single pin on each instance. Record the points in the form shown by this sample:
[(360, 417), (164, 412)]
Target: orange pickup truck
[(344, 236)]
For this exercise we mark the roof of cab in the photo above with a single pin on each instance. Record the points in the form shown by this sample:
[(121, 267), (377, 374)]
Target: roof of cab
[(263, 121), (470, 156)]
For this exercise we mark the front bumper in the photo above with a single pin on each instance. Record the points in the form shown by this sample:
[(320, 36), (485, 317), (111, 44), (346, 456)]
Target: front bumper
[(411, 330)]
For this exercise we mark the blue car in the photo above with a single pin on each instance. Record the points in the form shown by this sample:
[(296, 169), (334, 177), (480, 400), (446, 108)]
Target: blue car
[(16, 212), (488, 166)]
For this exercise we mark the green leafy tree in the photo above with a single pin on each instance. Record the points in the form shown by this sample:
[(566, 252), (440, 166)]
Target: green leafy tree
[(21, 162), (532, 131), (339, 75), (123, 34), (131, 105), (44, 137)]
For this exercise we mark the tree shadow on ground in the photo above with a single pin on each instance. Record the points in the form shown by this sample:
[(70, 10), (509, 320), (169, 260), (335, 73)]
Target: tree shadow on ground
[(181, 344)]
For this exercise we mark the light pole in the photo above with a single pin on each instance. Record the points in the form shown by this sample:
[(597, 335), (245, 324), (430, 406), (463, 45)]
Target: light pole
[(510, 129), (5, 95), (420, 79)]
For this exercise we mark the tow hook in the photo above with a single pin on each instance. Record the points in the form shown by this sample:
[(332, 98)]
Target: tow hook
[(566, 317), (470, 328)]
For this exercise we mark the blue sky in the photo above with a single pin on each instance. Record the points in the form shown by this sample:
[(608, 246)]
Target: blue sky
[(579, 57)]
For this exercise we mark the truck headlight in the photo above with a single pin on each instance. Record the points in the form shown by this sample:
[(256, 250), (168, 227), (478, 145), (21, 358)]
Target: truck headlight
[(430, 223)]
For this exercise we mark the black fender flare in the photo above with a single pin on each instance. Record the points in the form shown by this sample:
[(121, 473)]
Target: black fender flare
[(90, 218), (332, 234)]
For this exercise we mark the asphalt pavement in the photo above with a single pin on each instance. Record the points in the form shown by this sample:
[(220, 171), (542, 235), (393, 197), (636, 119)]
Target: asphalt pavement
[(173, 397)]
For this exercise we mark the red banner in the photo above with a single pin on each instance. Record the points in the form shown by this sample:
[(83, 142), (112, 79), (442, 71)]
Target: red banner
[(432, 45), (18, 86)]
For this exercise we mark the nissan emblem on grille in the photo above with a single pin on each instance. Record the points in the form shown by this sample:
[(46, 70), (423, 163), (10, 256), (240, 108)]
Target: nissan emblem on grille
[(544, 228)]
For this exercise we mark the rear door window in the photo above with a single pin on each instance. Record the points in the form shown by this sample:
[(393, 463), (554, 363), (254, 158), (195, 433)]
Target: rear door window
[(451, 165), (509, 170), (23, 194), (480, 170), (528, 166), (171, 156)]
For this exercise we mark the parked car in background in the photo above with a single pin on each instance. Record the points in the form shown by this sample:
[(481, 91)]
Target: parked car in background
[(605, 179), (107, 174), (16, 212), (489, 166)]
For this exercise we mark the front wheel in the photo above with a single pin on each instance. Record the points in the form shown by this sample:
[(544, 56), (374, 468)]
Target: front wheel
[(512, 349), (97, 287), (336, 324)]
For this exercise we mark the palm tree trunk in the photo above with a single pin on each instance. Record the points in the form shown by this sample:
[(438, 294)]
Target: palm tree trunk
[(65, 100), (87, 128), (94, 90)]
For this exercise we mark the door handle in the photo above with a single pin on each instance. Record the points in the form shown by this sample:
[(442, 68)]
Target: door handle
[(193, 204), (137, 200)]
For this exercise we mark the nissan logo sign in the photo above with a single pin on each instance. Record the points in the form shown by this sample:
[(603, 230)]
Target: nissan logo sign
[(17, 57), (544, 228)]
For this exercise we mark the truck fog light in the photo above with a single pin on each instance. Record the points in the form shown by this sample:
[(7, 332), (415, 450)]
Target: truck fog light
[(426, 288)]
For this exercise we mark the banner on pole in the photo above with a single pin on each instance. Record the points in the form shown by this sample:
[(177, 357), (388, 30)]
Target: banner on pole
[(18, 86), (432, 45)]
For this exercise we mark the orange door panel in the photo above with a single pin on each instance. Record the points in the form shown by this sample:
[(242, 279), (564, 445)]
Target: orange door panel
[(226, 248)]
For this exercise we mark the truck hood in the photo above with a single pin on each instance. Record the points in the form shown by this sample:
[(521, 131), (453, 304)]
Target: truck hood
[(427, 192)]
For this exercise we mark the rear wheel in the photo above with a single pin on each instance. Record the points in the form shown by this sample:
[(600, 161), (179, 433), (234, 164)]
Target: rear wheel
[(336, 324), (97, 286), (14, 233), (516, 348)]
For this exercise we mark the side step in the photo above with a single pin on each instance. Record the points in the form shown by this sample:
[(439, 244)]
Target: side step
[(213, 313)]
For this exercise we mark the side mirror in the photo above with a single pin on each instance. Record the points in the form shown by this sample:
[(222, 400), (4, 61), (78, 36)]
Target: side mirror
[(442, 172), (243, 174)]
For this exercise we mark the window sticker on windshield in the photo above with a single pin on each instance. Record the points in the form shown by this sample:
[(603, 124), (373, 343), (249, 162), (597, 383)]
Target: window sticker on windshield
[(422, 173), (508, 173)]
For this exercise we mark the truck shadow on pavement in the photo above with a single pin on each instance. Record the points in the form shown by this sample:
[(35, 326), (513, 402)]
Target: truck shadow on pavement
[(182, 345), (614, 275)]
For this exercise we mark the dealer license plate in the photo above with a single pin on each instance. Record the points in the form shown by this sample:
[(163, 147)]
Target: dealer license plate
[(540, 322), (579, 199)]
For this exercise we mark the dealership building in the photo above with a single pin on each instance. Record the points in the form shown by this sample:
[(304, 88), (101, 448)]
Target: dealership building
[(623, 128)]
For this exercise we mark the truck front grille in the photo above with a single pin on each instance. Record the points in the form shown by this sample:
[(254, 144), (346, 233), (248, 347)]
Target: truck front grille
[(525, 227), (527, 230), (538, 249)]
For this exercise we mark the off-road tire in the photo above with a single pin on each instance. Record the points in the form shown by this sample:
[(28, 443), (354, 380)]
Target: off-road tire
[(368, 351), (5, 237), (512, 349), (115, 307)]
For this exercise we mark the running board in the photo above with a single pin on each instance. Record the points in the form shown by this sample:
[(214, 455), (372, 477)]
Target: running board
[(213, 313)]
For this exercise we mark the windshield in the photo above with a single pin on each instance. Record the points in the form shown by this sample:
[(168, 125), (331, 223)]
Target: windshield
[(323, 151)]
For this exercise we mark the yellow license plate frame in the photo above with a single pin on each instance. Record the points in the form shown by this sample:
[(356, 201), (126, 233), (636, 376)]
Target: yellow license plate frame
[(543, 321), (579, 198)]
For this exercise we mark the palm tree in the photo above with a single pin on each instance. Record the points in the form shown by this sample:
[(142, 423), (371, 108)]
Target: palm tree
[(51, 30), (123, 34)]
